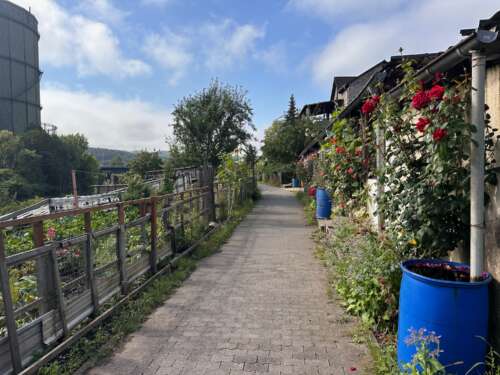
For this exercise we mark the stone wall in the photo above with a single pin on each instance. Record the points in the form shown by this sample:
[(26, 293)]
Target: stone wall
[(493, 211)]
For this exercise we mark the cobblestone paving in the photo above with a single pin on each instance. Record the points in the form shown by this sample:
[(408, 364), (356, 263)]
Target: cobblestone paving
[(259, 306)]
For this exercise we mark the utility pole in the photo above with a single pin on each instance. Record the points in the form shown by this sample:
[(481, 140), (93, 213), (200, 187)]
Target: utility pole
[(75, 190)]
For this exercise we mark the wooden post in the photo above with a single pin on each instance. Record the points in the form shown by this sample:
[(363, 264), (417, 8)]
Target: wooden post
[(173, 225), (197, 204), (89, 261), (121, 249), (181, 216), (45, 281), (154, 234), (75, 188), (190, 205), (209, 181), (10, 320), (61, 305), (142, 212)]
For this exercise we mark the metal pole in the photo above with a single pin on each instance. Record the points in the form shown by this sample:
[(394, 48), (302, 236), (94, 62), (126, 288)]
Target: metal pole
[(477, 166), (75, 190)]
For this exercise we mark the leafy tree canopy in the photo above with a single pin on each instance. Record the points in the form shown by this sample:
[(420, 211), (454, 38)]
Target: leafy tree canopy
[(286, 138), (145, 162), (211, 123)]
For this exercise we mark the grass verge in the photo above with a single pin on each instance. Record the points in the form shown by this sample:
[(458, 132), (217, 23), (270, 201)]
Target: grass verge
[(101, 342), (309, 207)]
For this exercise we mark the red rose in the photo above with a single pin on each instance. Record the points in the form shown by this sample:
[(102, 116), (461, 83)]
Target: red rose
[(439, 134), (339, 150), (422, 124), (370, 104), (436, 92), (420, 100), (311, 191), (368, 107), (350, 170)]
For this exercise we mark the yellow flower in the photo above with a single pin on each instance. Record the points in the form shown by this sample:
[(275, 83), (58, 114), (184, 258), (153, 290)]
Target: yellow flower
[(413, 242)]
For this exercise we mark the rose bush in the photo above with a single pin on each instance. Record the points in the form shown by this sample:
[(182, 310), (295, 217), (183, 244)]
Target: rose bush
[(344, 161), (426, 177)]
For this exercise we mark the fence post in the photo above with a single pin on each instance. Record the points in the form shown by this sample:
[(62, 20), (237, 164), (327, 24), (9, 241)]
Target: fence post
[(61, 306), (15, 353), (181, 216), (121, 249), (45, 280), (169, 228), (209, 183), (154, 235), (89, 261)]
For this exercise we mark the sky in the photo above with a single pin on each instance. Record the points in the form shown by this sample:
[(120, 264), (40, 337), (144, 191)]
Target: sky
[(113, 70)]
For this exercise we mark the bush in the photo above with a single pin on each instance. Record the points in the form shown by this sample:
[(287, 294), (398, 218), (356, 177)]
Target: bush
[(365, 273)]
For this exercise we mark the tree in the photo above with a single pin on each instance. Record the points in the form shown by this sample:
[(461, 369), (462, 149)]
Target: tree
[(76, 150), (145, 162), (292, 114), (117, 161), (212, 123), (57, 156), (286, 138)]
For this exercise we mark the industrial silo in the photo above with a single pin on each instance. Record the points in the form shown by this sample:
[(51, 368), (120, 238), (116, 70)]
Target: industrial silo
[(19, 71)]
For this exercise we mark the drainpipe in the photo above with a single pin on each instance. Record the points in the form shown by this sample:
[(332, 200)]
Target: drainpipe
[(477, 165)]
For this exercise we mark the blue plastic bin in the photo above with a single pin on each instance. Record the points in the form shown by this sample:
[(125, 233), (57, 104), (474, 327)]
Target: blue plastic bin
[(456, 311)]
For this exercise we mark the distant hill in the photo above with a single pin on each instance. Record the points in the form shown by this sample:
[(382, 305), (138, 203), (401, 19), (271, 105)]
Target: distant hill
[(105, 155)]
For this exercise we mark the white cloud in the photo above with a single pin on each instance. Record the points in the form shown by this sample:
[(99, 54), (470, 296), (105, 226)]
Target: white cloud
[(74, 40), (274, 57), (105, 120), (103, 10), (170, 51), (426, 26), (227, 42), (332, 10)]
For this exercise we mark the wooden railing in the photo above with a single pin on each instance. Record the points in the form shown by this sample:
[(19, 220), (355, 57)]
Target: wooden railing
[(75, 263)]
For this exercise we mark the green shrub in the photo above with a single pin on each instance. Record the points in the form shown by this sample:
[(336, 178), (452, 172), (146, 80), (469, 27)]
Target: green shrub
[(365, 273)]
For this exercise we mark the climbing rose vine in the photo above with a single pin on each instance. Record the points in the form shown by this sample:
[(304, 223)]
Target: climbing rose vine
[(426, 175), (345, 158)]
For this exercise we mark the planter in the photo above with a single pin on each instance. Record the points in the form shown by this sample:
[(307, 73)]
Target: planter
[(457, 311), (323, 204), (295, 183)]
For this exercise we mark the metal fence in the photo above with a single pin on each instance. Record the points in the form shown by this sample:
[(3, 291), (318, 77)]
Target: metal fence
[(58, 271)]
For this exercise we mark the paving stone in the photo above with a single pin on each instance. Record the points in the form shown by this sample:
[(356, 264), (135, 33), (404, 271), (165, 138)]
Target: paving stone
[(258, 306)]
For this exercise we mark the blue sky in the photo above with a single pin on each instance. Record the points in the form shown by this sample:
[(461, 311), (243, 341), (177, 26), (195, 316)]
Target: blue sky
[(114, 69)]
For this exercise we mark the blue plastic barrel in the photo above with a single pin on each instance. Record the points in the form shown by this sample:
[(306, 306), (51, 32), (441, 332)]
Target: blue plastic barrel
[(295, 182), (323, 204), (455, 311)]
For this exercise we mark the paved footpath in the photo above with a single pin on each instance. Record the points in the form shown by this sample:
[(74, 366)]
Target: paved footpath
[(259, 306)]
